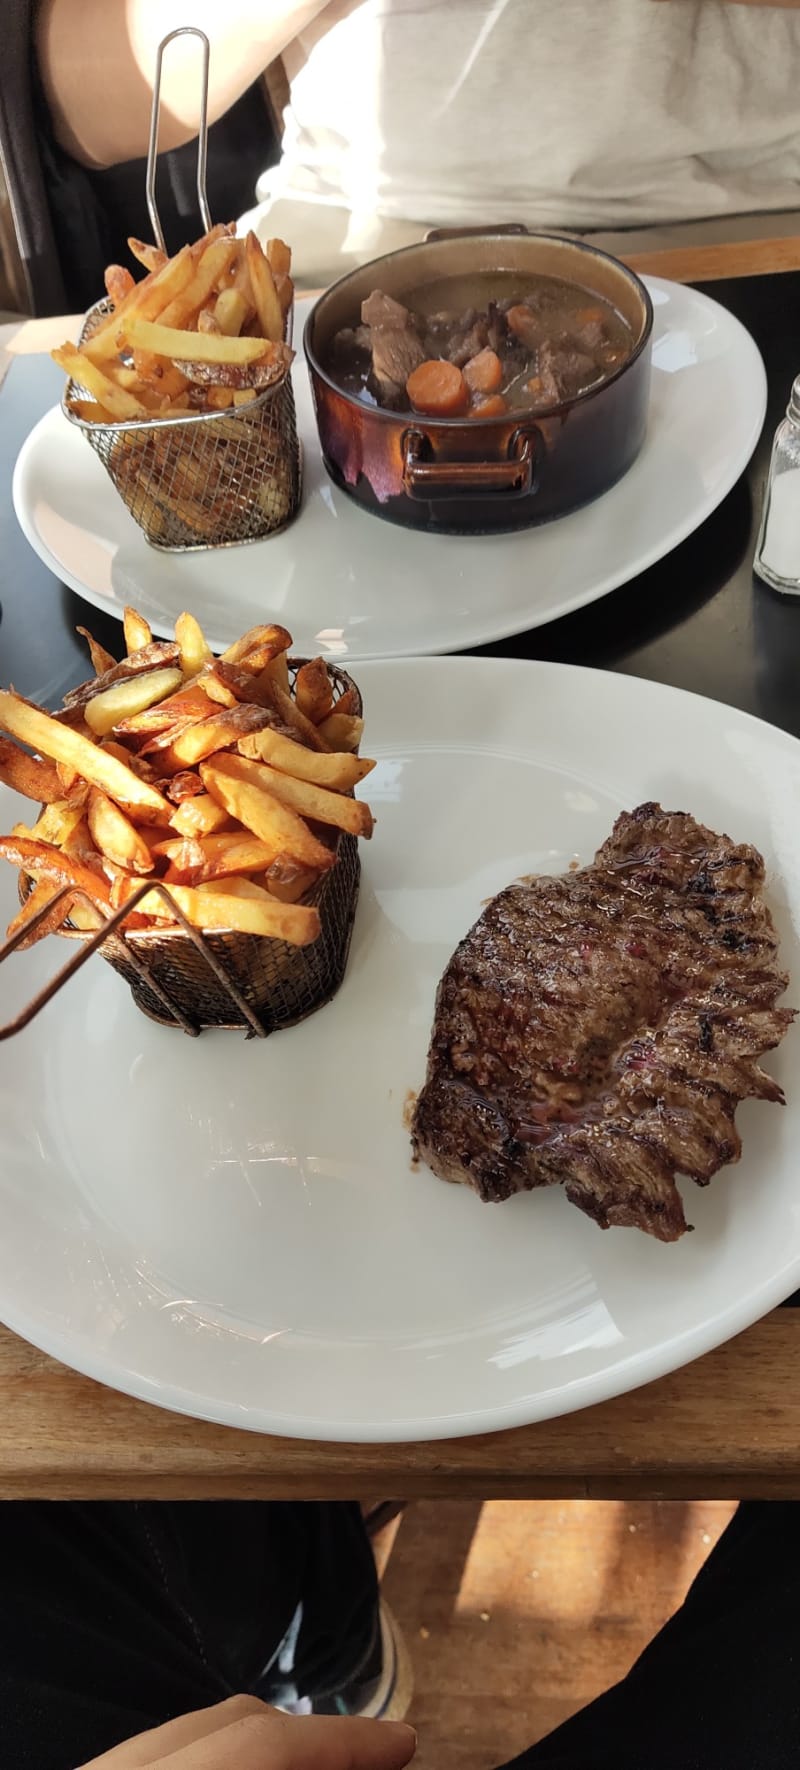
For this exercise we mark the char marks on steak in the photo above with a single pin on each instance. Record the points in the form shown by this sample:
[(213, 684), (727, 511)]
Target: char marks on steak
[(598, 1029)]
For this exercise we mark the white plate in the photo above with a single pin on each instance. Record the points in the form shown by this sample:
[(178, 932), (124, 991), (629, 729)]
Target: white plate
[(351, 586), (234, 1230)]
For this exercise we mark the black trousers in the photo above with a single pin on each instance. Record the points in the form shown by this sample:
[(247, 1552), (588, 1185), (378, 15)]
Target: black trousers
[(114, 1618)]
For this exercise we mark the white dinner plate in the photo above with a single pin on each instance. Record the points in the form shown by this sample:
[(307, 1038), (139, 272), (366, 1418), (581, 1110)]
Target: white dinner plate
[(234, 1229), (350, 586)]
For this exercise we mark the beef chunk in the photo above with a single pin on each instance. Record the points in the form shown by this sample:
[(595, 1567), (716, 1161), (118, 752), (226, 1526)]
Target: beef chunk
[(395, 346)]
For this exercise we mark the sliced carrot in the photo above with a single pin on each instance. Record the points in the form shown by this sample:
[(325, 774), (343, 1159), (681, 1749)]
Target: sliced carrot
[(438, 388), (524, 324), (484, 372), (493, 407)]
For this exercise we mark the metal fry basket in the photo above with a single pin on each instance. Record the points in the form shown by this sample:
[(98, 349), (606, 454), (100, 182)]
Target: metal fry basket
[(214, 479), (185, 978)]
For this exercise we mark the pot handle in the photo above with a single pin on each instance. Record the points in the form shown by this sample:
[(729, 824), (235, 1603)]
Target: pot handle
[(468, 233), (512, 478)]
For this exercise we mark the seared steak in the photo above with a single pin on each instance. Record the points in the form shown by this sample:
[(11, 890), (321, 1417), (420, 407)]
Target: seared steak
[(599, 1028)]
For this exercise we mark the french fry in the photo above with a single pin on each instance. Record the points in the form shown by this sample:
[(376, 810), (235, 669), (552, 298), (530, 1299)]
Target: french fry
[(182, 786), (136, 630), (55, 866), (217, 232), (162, 654), (189, 702), (279, 256), (147, 298), (115, 836), (346, 704), (234, 887), (202, 737), (265, 296), (209, 270), (57, 823), (275, 639), (163, 379), (37, 900), (207, 321), (107, 710), (338, 772), (318, 803), (78, 845), (151, 257), (28, 774), (312, 691), (185, 862), (119, 283), (278, 671), (177, 345), (230, 312), (284, 289), (282, 703), (139, 764), (297, 924), (61, 744), (199, 816), (341, 731), (289, 888), (235, 783), (82, 916), (194, 648), (116, 401), (264, 691), (218, 856), (90, 411), (68, 776), (101, 659), (216, 689)]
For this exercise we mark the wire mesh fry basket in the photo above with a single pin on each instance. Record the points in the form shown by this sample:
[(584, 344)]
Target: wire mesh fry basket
[(185, 978), (212, 479)]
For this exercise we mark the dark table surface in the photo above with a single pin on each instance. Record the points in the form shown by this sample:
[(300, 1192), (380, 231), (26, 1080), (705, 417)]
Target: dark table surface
[(699, 619)]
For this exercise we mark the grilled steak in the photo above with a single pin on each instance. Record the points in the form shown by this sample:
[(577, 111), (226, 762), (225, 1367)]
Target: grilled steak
[(599, 1028)]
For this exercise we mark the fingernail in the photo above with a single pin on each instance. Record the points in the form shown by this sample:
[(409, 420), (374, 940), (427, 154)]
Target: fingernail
[(403, 1727)]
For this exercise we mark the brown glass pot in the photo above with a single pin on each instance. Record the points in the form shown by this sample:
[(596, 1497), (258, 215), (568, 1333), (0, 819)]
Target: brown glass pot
[(467, 475)]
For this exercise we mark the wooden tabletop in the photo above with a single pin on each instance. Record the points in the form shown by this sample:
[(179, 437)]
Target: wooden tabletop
[(727, 1425)]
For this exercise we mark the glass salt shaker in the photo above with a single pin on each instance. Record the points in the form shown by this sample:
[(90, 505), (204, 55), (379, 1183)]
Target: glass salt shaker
[(777, 558)]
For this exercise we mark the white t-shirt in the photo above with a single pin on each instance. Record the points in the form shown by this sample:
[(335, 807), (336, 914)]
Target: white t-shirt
[(579, 114)]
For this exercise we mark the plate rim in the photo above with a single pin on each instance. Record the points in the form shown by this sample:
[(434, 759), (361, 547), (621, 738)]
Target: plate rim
[(488, 632), (635, 1370)]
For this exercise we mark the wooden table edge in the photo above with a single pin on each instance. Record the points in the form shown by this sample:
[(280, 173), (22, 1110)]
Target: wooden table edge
[(726, 1425)]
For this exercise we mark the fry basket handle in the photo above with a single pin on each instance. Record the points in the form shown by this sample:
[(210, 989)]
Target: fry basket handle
[(202, 138)]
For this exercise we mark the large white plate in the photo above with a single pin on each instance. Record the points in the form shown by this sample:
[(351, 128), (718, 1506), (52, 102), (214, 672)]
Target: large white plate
[(234, 1229), (351, 586)]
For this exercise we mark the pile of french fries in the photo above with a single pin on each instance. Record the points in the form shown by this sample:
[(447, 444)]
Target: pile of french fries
[(202, 331), (219, 777)]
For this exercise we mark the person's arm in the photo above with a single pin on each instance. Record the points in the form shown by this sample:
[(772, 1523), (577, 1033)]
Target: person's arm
[(97, 59)]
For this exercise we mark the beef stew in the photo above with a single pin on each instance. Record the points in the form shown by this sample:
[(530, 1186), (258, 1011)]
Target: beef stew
[(482, 345)]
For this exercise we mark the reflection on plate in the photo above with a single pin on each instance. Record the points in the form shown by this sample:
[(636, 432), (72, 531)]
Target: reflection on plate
[(235, 1230), (351, 586)]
